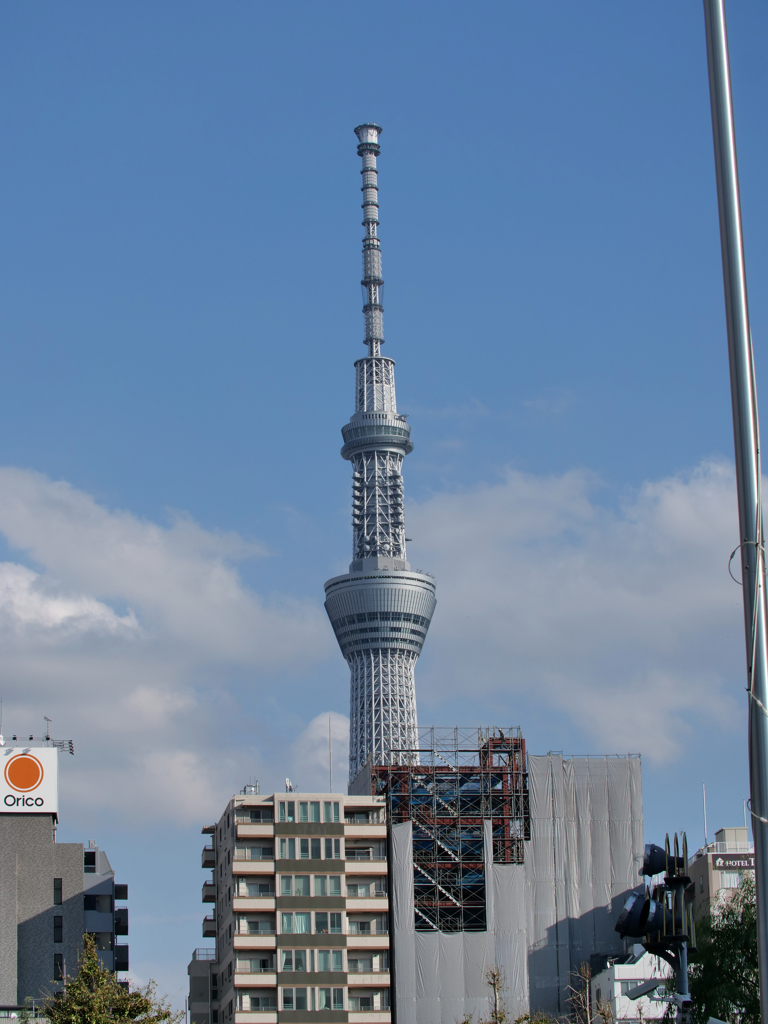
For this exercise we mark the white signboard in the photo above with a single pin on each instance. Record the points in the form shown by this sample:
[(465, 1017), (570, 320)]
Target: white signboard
[(29, 780)]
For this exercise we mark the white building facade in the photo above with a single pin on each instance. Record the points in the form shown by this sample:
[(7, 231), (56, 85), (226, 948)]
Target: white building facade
[(610, 987)]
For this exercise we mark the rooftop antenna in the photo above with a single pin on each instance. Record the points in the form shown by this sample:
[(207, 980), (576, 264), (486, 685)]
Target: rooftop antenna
[(1, 722), (330, 752), (704, 797), (47, 728)]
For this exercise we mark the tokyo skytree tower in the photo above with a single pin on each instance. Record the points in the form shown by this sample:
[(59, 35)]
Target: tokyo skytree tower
[(380, 610)]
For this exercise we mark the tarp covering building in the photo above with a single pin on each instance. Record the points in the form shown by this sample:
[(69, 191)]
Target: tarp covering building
[(545, 916)]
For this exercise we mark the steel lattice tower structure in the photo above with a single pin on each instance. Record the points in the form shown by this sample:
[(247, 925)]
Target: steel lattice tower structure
[(380, 610)]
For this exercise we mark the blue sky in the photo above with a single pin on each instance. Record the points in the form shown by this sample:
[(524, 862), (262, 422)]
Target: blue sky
[(179, 262)]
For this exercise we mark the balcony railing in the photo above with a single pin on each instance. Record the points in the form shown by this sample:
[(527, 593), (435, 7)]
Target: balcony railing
[(724, 848), (257, 970), (204, 953), (255, 854), (353, 854)]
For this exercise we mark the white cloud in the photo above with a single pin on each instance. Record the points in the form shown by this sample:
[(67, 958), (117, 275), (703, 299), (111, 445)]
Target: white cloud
[(311, 754), (608, 615), (26, 603), (127, 634)]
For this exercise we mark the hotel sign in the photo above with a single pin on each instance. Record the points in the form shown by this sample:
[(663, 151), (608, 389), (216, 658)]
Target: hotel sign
[(29, 780), (734, 862)]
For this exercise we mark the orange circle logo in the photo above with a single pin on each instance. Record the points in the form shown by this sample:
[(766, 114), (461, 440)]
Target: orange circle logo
[(24, 773)]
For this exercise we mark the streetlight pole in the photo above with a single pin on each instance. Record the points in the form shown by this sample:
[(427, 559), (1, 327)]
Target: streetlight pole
[(747, 449)]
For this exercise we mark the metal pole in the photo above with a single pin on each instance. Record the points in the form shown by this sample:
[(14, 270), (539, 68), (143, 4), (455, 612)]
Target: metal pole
[(747, 446)]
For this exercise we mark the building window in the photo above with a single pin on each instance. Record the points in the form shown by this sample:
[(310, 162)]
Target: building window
[(258, 853), (286, 885), (301, 885), (58, 929), (101, 903), (304, 848), (297, 960), (326, 1001), (295, 924), (330, 811), (330, 960), (89, 862), (58, 967), (359, 889), (256, 1001), (701, 884), (260, 814), (288, 849), (361, 1004), (332, 849), (296, 999), (57, 892), (256, 889), (359, 927), (730, 879), (287, 810)]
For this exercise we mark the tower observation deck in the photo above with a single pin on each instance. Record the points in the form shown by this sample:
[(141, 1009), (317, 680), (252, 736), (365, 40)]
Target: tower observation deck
[(381, 609)]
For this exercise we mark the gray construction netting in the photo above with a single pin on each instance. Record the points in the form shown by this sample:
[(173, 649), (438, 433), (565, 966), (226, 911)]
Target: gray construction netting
[(544, 917)]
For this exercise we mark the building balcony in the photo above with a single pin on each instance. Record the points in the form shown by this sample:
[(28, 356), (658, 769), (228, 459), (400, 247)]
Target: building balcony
[(375, 979), (209, 926), (255, 979), (365, 831), (365, 865), (250, 830), (369, 1016), (204, 953), (122, 960), (375, 941), (209, 857), (264, 940), (252, 867), (242, 904), (255, 1017), (209, 892), (367, 905)]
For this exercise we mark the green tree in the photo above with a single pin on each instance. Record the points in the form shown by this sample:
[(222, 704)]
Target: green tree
[(723, 972), (93, 996)]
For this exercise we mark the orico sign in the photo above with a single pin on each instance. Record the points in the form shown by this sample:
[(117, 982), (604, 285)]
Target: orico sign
[(29, 780)]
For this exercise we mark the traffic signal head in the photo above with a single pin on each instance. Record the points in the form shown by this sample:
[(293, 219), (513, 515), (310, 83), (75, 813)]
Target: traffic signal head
[(655, 860), (642, 915)]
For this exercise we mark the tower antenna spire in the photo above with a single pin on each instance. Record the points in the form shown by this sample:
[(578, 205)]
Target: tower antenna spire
[(380, 588), (373, 283)]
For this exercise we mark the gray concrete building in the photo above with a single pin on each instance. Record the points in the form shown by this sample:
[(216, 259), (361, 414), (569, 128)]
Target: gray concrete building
[(50, 892)]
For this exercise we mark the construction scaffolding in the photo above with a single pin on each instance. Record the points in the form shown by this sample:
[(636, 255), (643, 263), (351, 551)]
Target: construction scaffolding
[(449, 786)]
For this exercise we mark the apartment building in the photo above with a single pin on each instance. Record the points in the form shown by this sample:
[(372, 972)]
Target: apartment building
[(718, 868), (299, 912)]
